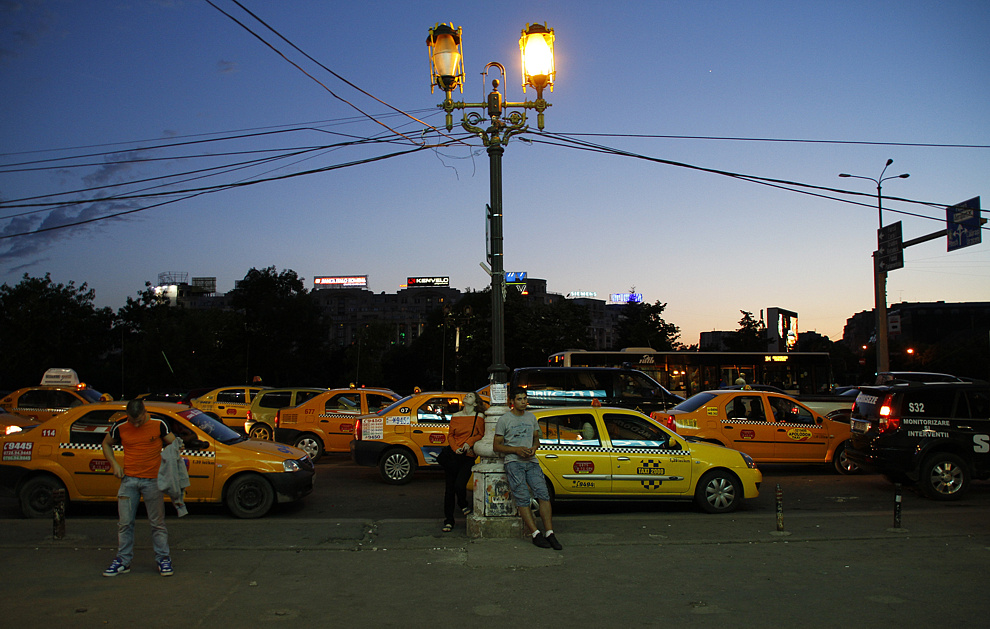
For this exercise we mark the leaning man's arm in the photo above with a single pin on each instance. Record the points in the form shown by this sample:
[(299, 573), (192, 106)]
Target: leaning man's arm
[(108, 443)]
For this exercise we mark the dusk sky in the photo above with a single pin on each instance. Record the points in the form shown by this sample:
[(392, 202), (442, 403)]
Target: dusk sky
[(174, 96)]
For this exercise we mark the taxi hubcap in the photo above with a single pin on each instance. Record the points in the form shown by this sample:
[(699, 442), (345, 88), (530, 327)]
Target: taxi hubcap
[(720, 493)]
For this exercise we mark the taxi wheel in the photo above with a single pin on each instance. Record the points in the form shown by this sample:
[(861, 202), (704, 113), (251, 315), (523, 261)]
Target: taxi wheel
[(397, 466), (311, 445), (944, 477), (36, 496), (262, 432), (250, 496), (718, 491), (842, 463)]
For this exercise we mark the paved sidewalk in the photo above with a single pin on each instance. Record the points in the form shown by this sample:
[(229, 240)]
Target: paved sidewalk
[(663, 569)]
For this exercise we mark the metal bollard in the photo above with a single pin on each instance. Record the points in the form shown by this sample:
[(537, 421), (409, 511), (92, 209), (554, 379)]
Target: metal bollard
[(897, 505), (780, 509), (58, 513)]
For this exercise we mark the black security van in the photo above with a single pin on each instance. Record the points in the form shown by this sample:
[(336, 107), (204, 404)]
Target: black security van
[(935, 433), (581, 386)]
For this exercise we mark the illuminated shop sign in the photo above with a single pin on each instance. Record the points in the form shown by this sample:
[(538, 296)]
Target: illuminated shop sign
[(341, 281), (626, 298), (515, 277), (578, 294), (427, 281)]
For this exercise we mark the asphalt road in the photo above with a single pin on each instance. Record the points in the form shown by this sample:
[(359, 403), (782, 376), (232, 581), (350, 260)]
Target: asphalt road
[(345, 490)]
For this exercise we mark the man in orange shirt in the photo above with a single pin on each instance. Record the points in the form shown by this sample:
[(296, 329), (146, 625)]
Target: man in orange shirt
[(142, 439)]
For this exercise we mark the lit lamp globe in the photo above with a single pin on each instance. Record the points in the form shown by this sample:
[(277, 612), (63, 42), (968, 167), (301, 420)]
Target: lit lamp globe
[(536, 46)]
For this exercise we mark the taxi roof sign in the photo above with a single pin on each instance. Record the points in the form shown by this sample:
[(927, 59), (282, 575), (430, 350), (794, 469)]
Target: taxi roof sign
[(60, 377)]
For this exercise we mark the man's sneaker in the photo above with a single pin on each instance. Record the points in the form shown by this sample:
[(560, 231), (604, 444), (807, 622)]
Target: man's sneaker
[(541, 541), (116, 567), (552, 540), (165, 567)]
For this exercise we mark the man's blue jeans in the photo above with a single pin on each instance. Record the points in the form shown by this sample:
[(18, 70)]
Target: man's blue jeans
[(128, 496)]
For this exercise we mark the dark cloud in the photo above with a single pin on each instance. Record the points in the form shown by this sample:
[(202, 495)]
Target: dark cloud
[(226, 67), (22, 25)]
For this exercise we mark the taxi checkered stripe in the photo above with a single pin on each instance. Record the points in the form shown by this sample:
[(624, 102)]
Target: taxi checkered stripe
[(741, 422), (96, 446), (576, 448), (651, 484)]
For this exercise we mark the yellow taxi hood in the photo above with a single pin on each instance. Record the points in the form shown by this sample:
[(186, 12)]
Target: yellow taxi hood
[(273, 449)]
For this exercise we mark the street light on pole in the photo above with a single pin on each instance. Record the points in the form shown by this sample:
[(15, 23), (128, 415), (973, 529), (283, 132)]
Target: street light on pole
[(495, 127), (879, 274)]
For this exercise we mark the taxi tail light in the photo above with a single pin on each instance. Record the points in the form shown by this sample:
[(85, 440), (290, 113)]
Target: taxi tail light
[(357, 429), (278, 417), (247, 417), (665, 419), (887, 419)]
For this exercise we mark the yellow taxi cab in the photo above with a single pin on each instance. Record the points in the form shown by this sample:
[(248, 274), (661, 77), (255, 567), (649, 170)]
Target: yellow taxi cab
[(601, 452), (770, 427), (59, 391), (325, 423), (10, 423), (224, 467), (229, 405), (406, 435)]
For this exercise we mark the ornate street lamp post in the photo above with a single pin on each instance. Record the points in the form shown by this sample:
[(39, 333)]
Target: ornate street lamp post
[(494, 127), (879, 274)]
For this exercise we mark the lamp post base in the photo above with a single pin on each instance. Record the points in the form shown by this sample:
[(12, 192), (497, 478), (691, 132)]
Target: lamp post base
[(494, 514)]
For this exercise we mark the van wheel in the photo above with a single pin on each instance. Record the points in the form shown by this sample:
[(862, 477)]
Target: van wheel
[(397, 466), (311, 445), (718, 492), (249, 496), (944, 477), (36, 496), (842, 463), (261, 432)]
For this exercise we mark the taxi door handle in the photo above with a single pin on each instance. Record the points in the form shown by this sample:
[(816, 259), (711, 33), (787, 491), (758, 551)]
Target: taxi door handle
[(622, 458), (417, 432), (68, 454), (550, 456)]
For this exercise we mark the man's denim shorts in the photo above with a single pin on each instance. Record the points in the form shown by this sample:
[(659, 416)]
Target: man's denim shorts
[(523, 477)]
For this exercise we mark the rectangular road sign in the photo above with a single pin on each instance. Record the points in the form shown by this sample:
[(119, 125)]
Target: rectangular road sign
[(962, 224), (889, 247)]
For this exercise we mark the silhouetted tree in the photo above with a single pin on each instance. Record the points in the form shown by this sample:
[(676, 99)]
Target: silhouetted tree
[(285, 333), (750, 337), (44, 324), (642, 325)]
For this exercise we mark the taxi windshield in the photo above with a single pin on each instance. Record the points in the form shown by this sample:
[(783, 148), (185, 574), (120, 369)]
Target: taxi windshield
[(212, 427), (91, 395)]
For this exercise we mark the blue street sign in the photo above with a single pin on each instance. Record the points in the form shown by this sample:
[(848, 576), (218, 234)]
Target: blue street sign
[(962, 224)]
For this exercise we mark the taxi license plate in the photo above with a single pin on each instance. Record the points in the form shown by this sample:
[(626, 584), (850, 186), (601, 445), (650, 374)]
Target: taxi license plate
[(859, 426)]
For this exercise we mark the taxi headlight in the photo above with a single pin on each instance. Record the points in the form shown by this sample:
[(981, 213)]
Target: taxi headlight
[(12, 429), (748, 460), (291, 465)]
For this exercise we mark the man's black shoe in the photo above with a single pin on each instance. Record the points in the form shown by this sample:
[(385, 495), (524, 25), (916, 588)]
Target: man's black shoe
[(552, 540), (541, 541)]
